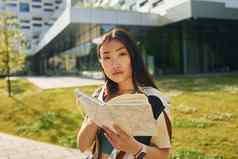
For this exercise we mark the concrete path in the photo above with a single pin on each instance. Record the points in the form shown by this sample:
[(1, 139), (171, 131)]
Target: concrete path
[(12, 147), (61, 82)]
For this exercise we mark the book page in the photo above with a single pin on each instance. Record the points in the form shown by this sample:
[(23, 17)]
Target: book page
[(131, 112)]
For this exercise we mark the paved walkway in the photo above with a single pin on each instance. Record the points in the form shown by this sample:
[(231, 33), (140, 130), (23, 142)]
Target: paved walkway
[(12, 147), (61, 82)]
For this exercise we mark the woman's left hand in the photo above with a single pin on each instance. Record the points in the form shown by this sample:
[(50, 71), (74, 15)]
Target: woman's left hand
[(121, 140)]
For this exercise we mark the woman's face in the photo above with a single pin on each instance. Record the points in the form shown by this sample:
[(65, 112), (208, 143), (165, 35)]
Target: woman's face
[(115, 61)]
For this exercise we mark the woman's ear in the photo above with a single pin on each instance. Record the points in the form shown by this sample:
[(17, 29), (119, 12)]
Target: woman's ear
[(100, 61)]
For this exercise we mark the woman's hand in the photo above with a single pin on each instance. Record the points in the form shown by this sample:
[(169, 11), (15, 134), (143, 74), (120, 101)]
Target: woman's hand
[(87, 134), (121, 140)]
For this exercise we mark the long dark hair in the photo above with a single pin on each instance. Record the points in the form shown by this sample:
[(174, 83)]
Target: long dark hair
[(140, 73)]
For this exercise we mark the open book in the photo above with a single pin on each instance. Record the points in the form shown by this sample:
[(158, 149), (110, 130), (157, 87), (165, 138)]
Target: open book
[(132, 112)]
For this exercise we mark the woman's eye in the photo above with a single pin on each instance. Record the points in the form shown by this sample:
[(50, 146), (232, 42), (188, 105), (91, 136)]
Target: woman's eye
[(106, 58), (123, 54)]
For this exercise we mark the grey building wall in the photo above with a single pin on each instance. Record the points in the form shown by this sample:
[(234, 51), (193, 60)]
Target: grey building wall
[(205, 9)]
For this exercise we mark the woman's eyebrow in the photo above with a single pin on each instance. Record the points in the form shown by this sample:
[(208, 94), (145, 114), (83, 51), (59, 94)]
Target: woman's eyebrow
[(123, 47), (107, 52)]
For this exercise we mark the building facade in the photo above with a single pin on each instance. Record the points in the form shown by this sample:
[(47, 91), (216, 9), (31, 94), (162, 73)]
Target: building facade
[(176, 37), (34, 16), (202, 34)]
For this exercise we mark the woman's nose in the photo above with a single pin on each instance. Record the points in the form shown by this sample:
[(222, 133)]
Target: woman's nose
[(115, 63)]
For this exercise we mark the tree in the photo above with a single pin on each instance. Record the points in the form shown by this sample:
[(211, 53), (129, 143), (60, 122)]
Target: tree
[(12, 47)]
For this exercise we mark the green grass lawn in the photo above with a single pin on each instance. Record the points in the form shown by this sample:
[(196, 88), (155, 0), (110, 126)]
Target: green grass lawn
[(204, 110)]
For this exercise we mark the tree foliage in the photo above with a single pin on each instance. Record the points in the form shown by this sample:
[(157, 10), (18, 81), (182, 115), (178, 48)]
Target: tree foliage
[(12, 46)]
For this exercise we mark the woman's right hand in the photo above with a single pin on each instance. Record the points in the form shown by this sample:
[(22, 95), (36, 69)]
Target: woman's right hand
[(86, 134)]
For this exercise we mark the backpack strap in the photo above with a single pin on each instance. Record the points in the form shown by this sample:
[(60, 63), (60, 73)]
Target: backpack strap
[(156, 105), (168, 124), (157, 108)]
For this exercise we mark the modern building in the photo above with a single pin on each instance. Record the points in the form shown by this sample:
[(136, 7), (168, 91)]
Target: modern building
[(34, 16), (69, 45), (181, 36), (200, 37)]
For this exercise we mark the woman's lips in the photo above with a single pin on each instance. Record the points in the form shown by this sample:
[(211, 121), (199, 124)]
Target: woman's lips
[(117, 73)]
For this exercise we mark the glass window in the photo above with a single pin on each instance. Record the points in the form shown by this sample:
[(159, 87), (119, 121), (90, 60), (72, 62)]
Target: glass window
[(106, 27), (36, 0), (25, 21), (58, 1), (36, 36), (48, 10), (12, 4), (155, 4), (37, 25), (24, 7), (36, 6), (37, 18), (47, 24), (48, 4), (25, 27), (143, 3)]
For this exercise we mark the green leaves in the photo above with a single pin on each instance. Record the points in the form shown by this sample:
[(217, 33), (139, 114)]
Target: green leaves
[(12, 46)]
